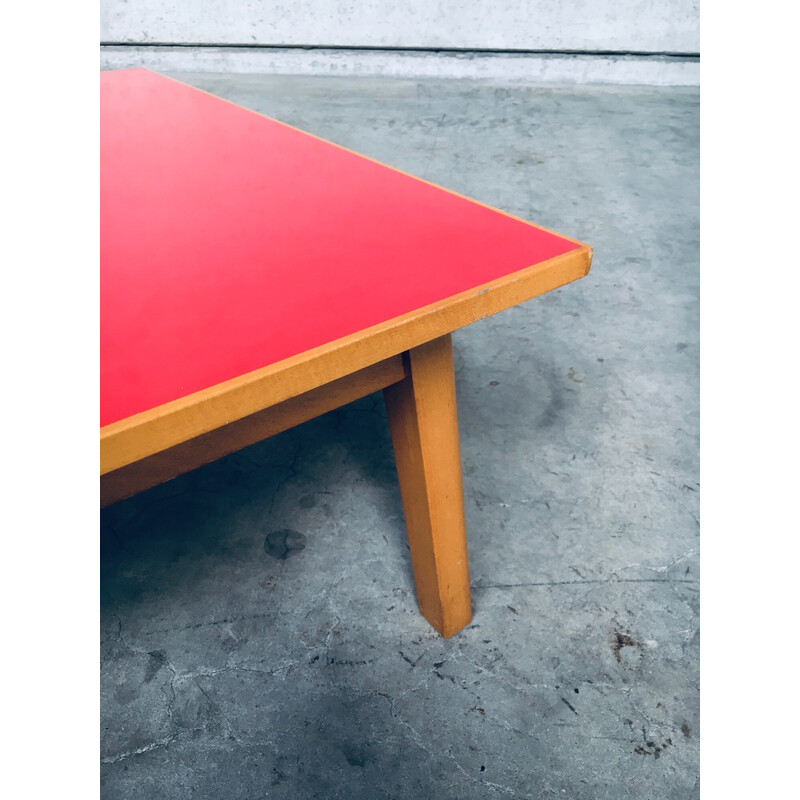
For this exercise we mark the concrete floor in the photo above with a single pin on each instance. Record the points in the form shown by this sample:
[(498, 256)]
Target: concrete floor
[(229, 672)]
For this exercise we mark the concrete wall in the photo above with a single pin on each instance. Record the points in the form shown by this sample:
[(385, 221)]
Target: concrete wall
[(615, 25), (663, 29)]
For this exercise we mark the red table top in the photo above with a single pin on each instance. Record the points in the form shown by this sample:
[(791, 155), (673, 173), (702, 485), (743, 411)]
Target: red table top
[(230, 241)]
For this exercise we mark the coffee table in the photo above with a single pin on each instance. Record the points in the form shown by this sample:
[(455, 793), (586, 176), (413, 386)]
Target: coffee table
[(254, 276)]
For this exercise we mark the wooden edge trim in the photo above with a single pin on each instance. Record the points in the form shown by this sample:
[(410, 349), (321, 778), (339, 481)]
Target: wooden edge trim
[(184, 457), (156, 429)]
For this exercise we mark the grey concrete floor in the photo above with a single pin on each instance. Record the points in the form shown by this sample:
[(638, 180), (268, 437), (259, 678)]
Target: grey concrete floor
[(228, 672)]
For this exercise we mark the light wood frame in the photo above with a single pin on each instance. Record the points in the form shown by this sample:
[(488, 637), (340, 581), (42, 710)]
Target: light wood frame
[(141, 435)]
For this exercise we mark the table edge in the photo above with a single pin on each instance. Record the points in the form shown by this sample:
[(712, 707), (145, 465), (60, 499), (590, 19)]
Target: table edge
[(140, 435)]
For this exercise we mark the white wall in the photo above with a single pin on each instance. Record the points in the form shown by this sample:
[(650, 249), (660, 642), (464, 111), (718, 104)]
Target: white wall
[(619, 25)]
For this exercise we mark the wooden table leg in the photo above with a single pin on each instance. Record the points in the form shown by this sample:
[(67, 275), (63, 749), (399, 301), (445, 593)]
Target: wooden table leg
[(422, 417)]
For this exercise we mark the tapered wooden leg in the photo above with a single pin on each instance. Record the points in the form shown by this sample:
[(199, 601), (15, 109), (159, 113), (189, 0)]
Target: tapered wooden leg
[(422, 416)]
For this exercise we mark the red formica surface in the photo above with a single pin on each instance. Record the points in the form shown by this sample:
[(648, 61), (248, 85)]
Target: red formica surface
[(230, 241)]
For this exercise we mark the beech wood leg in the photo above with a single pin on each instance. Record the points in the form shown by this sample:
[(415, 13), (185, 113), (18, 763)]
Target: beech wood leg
[(424, 425)]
